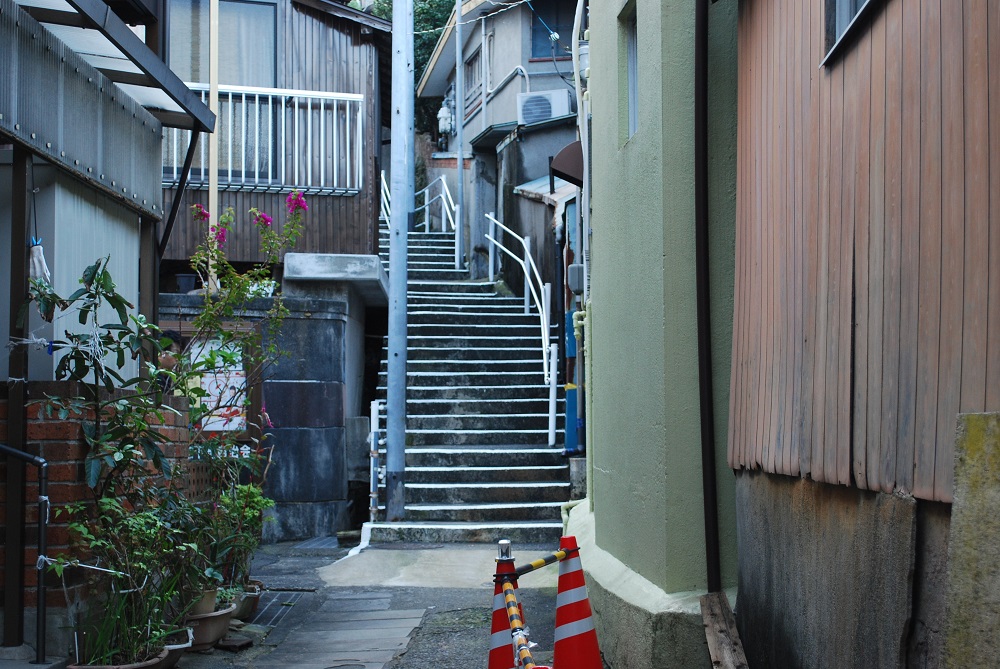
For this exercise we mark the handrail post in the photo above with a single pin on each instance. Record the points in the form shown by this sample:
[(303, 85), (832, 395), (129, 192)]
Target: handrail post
[(458, 248), (492, 252), (444, 205), (41, 591), (527, 260), (553, 362)]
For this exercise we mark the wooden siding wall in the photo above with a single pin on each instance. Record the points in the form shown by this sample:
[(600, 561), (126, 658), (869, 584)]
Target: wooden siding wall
[(319, 53), (868, 242)]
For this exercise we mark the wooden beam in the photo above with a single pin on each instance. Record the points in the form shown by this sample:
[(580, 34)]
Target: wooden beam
[(720, 632)]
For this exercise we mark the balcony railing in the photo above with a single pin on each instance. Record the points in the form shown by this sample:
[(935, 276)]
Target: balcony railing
[(274, 140)]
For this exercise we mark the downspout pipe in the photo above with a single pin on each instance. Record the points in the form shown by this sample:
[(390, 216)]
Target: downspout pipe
[(707, 414)]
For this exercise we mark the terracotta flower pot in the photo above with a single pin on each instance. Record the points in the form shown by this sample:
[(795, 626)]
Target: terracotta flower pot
[(148, 664), (210, 627)]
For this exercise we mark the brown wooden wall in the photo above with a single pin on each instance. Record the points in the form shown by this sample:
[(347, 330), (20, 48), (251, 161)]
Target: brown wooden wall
[(868, 241), (319, 52)]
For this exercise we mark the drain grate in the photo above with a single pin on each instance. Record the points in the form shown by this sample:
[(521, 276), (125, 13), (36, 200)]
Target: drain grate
[(274, 606)]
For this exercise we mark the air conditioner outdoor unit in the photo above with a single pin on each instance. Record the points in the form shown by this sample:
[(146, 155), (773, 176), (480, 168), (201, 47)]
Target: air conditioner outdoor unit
[(543, 105)]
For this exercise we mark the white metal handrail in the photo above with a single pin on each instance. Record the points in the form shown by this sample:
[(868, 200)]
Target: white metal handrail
[(550, 351), (530, 269), (447, 205), (386, 199), (273, 139)]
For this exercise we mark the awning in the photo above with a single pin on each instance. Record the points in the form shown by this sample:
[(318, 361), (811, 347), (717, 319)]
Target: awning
[(538, 190), (93, 30), (568, 163)]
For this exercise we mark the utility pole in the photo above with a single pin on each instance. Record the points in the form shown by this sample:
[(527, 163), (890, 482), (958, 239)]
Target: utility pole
[(459, 139), (213, 141), (401, 191)]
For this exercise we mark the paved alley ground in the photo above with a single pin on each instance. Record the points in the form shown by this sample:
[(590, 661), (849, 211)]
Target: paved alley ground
[(392, 606)]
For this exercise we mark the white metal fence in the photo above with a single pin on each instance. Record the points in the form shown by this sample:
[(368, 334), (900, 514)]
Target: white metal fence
[(277, 139)]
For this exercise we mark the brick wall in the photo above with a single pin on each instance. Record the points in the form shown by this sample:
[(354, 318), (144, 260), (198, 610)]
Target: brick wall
[(61, 443)]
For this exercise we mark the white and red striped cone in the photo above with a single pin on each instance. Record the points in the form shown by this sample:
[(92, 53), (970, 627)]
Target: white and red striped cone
[(575, 638)]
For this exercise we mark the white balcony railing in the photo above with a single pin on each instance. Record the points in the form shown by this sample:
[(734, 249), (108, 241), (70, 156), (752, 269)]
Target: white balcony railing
[(274, 139)]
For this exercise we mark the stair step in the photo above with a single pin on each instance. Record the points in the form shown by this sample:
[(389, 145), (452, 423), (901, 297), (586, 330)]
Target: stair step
[(471, 392), (480, 287), (419, 379), (496, 513), (439, 353), (539, 421), (419, 437), (467, 474), (480, 319), (474, 341), (445, 366), (482, 407), (486, 493), (483, 456), (518, 532)]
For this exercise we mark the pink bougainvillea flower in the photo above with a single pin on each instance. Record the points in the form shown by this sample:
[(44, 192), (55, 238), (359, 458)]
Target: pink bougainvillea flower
[(219, 234), (262, 219), (295, 202), (200, 213)]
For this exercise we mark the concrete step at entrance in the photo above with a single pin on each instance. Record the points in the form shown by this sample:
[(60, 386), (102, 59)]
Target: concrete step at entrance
[(485, 532)]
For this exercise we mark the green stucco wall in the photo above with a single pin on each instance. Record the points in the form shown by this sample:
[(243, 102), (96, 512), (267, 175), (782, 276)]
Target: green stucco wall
[(643, 423)]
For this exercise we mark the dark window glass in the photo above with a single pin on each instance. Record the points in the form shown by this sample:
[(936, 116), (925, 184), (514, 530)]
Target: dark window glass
[(558, 16), (839, 15)]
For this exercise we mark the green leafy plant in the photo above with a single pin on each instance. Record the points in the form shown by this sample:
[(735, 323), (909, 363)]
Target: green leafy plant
[(154, 545)]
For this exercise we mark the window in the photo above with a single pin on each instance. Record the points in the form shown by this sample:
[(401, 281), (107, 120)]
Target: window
[(247, 36), (473, 80), (551, 16), (841, 15), (632, 73)]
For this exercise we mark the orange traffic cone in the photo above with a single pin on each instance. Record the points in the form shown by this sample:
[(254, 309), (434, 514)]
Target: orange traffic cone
[(575, 638), (501, 642)]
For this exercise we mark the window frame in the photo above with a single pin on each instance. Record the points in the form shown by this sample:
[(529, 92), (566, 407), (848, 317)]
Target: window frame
[(536, 25), (837, 44)]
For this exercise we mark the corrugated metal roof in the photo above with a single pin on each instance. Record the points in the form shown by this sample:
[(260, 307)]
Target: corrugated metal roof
[(92, 29)]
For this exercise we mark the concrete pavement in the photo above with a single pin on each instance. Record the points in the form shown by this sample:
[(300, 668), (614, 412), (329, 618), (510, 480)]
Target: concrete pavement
[(391, 606)]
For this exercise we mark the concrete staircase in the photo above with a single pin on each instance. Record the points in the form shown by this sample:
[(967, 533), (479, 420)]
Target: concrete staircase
[(478, 464)]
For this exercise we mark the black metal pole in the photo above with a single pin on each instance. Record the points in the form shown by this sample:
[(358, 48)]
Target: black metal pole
[(43, 546), (709, 487), (178, 194)]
